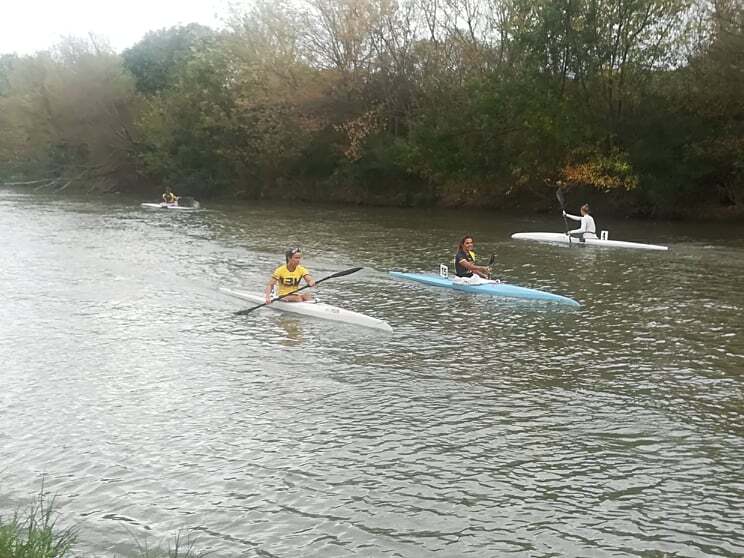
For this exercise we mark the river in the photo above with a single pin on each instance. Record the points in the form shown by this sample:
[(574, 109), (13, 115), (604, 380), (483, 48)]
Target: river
[(479, 427)]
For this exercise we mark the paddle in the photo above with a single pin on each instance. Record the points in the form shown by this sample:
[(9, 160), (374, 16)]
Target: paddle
[(562, 201), (490, 263), (339, 274)]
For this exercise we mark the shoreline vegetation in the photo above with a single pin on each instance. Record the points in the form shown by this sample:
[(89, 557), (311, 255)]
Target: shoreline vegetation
[(541, 202), (634, 107), (33, 533)]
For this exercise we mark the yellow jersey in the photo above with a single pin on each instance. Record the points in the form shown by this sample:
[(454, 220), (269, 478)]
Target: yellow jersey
[(288, 281)]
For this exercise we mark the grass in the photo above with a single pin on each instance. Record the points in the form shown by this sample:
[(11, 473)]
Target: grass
[(35, 534), (182, 548)]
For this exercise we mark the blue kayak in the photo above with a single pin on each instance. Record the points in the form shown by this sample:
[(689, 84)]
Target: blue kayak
[(493, 289)]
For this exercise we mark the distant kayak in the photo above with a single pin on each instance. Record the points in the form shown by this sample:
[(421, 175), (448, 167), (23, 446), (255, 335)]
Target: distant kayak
[(562, 238), (168, 206), (493, 289), (315, 310)]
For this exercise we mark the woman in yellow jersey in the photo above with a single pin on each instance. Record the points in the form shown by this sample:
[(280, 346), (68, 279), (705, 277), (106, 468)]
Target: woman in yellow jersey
[(288, 277)]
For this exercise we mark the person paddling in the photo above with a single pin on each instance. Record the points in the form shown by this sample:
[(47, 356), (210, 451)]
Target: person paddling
[(288, 277), (168, 196), (465, 267), (587, 229)]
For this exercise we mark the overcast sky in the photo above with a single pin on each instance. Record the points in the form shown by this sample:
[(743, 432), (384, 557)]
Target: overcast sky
[(27, 26)]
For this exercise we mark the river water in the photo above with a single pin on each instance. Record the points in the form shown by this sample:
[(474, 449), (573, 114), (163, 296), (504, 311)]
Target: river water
[(479, 427)]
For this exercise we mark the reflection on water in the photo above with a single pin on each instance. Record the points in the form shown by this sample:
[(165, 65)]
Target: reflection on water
[(479, 427), (292, 327)]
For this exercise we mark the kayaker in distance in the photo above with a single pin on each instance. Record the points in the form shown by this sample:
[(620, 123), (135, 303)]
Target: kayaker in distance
[(169, 196), (465, 266), (288, 277), (587, 229)]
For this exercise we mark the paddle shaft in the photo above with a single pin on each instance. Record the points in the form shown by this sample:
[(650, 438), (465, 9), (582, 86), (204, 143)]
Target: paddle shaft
[(339, 274), (562, 201), (490, 263)]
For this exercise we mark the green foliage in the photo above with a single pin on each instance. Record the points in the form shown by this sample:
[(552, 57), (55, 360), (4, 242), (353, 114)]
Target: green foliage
[(713, 101), (65, 115), (157, 59), (183, 547), (606, 172), (640, 97), (188, 130), (34, 534)]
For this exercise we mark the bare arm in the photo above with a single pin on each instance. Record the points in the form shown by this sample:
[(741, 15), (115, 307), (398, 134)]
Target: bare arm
[(309, 280), (269, 288), (479, 270)]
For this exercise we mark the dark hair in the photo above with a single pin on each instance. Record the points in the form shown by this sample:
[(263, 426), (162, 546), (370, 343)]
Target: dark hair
[(461, 245), (291, 252), (585, 207)]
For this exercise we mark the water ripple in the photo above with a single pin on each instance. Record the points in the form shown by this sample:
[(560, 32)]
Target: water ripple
[(480, 427)]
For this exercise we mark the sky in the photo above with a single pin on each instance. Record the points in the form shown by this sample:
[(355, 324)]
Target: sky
[(27, 26)]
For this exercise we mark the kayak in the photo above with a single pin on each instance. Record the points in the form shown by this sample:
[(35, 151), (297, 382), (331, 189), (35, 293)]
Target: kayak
[(167, 206), (492, 288), (315, 310), (562, 238)]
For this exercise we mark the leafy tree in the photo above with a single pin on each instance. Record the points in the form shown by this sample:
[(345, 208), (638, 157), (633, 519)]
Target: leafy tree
[(67, 115), (156, 60), (460, 101)]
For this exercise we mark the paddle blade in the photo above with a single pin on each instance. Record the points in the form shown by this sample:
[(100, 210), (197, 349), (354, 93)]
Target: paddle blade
[(491, 260), (187, 201), (342, 273), (248, 310), (561, 199)]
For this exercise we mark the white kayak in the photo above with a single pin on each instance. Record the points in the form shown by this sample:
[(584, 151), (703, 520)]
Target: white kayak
[(562, 238), (314, 309), (167, 206)]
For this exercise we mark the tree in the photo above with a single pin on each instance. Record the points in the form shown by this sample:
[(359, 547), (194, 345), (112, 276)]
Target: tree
[(67, 115), (155, 60)]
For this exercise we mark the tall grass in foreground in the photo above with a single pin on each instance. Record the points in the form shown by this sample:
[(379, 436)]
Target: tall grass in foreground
[(35, 533), (183, 547)]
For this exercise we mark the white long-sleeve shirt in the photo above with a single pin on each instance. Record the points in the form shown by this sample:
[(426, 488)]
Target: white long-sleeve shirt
[(587, 224)]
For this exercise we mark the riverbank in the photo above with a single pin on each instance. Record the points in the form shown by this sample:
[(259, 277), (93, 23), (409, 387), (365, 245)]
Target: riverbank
[(465, 195)]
